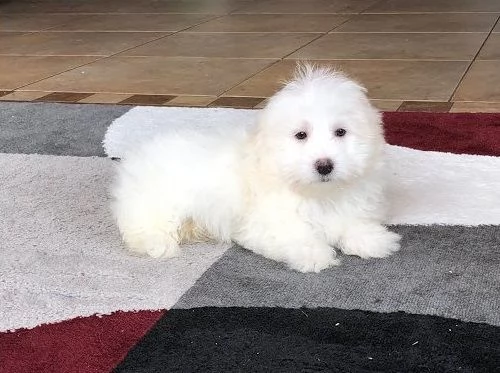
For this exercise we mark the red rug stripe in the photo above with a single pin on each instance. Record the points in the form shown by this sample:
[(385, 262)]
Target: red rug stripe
[(83, 345), (460, 133)]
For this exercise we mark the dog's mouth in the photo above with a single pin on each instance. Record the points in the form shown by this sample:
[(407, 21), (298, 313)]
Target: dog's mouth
[(325, 179)]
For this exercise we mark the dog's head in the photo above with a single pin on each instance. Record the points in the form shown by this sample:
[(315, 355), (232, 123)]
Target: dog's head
[(320, 128)]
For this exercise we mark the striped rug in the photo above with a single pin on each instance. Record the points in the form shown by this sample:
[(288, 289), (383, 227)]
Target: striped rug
[(72, 300)]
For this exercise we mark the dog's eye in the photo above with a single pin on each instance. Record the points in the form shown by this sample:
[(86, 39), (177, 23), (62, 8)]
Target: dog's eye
[(340, 132), (301, 135)]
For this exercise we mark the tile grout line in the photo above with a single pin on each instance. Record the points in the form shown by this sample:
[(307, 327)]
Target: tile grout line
[(319, 37), (302, 46), (212, 17), (429, 12), (58, 73), (412, 32), (245, 58), (233, 12), (452, 96), (117, 53), (350, 17), (250, 77), (285, 56), (264, 68), (371, 6), (168, 35), (365, 11), (113, 13)]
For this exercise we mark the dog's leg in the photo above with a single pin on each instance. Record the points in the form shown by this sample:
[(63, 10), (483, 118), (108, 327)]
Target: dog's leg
[(291, 242), (368, 240), (308, 255), (148, 226), (161, 245), (154, 238)]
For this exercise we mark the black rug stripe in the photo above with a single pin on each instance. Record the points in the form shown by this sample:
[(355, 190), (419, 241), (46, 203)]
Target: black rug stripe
[(312, 340)]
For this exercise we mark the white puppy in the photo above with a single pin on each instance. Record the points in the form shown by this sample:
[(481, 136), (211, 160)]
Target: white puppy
[(306, 178)]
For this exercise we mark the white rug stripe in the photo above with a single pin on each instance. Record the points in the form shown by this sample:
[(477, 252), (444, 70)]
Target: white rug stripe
[(141, 123), (427, 187), (61, 256), (443, 188)]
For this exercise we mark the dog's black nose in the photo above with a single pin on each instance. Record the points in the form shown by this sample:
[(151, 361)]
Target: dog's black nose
[(324, 166)]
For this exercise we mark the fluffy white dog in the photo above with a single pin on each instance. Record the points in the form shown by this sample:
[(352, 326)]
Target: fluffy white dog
[(306, 178)]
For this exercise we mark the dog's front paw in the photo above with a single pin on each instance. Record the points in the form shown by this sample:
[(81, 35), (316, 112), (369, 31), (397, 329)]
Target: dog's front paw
[(370, 241), (155, 247), (312, 259), (163, 251)]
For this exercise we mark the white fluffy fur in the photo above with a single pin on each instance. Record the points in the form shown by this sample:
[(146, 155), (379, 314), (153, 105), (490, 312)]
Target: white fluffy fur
[(260, 187)]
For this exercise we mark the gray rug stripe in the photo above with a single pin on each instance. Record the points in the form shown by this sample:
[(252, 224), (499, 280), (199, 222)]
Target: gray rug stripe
[(450, 271), (55, 129)]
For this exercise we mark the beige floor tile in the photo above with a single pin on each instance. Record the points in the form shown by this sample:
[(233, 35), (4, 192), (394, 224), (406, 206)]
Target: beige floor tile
[(265, 83), (191, 6), (32, 22), (407, 80), (309, 6), (74, 43), (29, 7), (25, 70), (441, 46), (123, 6), (213, 57), (200, 101), (51, 6), (272, 23), (387, 105), (387, 80), (403, 6), (105, 98), (440, 22), (23, 96), (231, 45), (482, 83), (4, 36), (491, 49), (156, 75), (475, 107), (133, 22)]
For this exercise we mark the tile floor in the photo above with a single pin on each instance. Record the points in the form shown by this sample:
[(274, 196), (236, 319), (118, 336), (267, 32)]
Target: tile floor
[(435, 55)]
